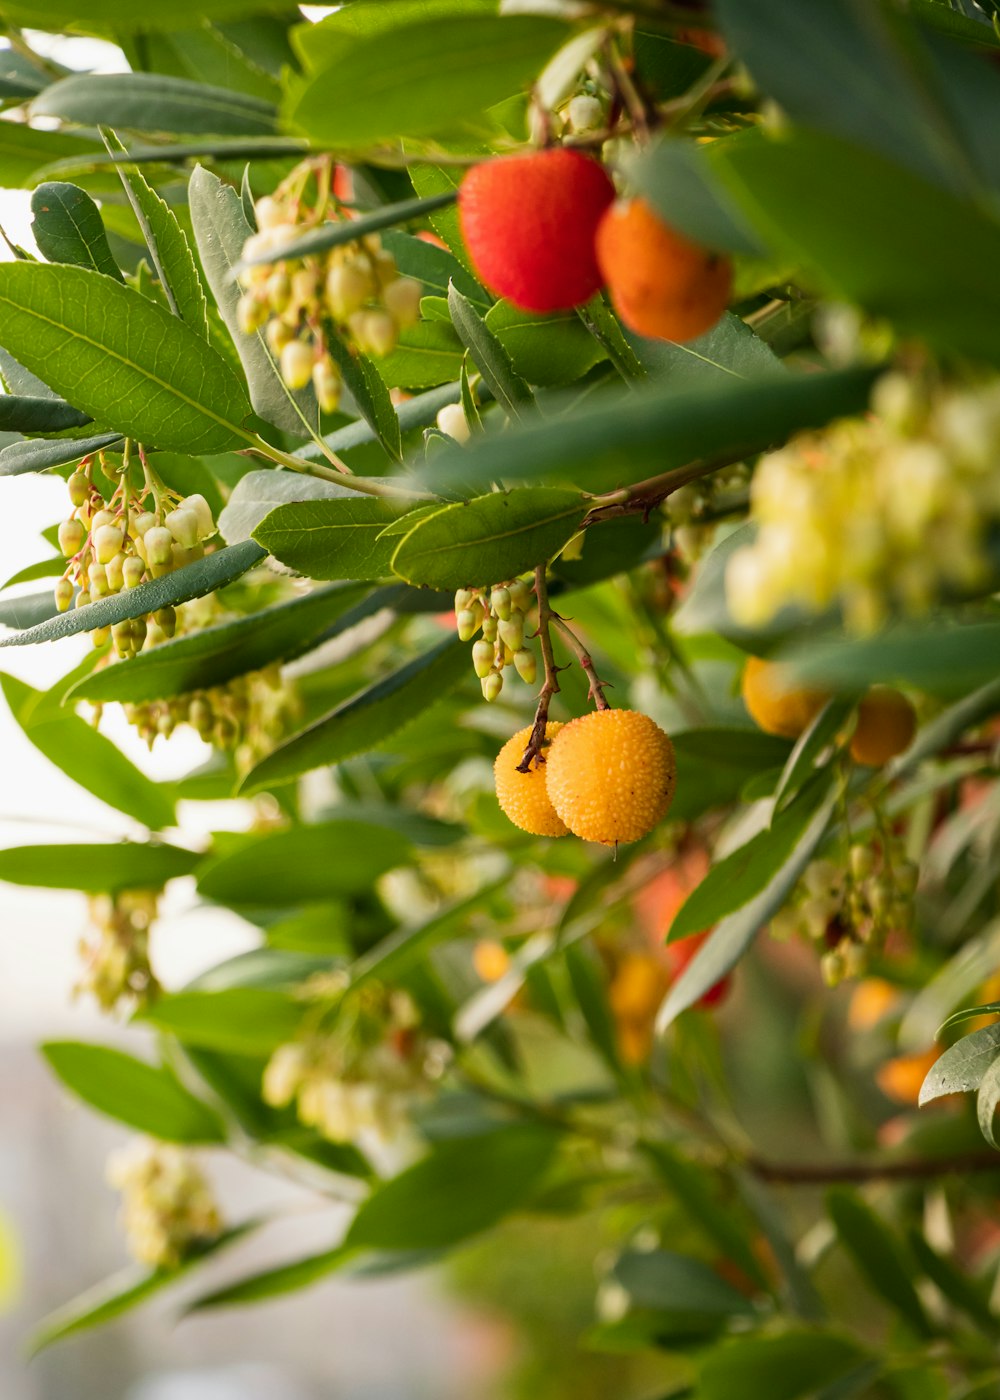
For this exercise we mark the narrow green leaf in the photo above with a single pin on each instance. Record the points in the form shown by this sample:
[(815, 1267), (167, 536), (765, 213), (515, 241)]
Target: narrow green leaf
[(369, 719), (237, 1020), (155, 102), (121, 358), (337, 232), (788, 1366), (214, 655), (45, 568), (68, 228), (308, 862), (587, 979), (460, 1189), (332, 539), (433, 266), (729, 350), (38, 415), (192, 581), (686, 1295), (394, 954), (809, 747), (677, 180), (272, 1283), (971, 1295), (27, 611), (798, 1292), (258, 493), (96, 869), (166, 241), (418, 412), (489, 539), (507, 387), (963, 1065), (947, 661), (144, 1096), (369, 392), (220, 230), (87, 757), (38, 455), (715, 764), (879, 1256), (603, 325)]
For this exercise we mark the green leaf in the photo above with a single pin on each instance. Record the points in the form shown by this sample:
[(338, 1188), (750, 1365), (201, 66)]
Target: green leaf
[(308, 862), (972, 1296), (121, 358), (27, 611), (433, 266), (120, 1293), (811, 744), (947, 727), (39, 454), (123, 15), (620, 439), (740, 876), (733, 934), (335, 233), (87, 757), (547, 350), (220, 230), (155, 102), (879, 1255), (45, 568), (788, 1366), (962, 1066), (798, 1292), (460, 1189), (677, 180), (21, 414), (167, 244), (333, 539), (213, 655), (427, 354), (686, 1295), (24, 150), (272, 1283), (873, 233), (587, 979), (258, 493), (368, 390), (730, 349), (192, 581), (144, 1096), (68, 228), (238, 1020), (418, 412), (394, 954), (489, 539), (440, 179), (96, 869), (421, 78), (369, 719), (715, 764), (507, 387), (948, 661)]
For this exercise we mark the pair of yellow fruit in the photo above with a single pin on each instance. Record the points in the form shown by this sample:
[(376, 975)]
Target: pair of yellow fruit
[(607, 776), (886, 720)]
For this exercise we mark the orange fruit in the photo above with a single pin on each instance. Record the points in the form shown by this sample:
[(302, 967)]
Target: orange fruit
[(775, 703)]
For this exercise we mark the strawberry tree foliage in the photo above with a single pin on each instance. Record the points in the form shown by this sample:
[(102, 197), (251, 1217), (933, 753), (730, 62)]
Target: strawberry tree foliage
[(366, 475)]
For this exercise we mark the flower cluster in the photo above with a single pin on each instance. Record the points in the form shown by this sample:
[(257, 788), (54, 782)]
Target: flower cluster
[(693, 510), (168, 1208), (353, 291), (501, 612), (361, 1075), (850, 911), (116, 967), (122, 543), (890, 511)]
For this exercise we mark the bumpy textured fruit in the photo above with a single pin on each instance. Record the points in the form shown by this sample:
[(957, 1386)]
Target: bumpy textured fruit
[(776, 705), (610, 776), (524, 797), (529, 224), (886, 725), (661, 283)]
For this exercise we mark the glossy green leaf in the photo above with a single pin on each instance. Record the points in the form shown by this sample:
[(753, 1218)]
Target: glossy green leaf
[(369, 391), (369, 719), (489, 539), (946, 661), (220, 230), (146, 1097), (192, 581), (167, 244), (962, 1066), (213, 655), (86, 756), (307, 862), (506, 385), (38, 415), (810, 746), (333, 539), (337, 232), (879, 1255), (96, 869), (237, 1020), (123, 14), (421, 78), (460, 1189), (428, 354), (677, 180), (39, 454), (121, 358), (68, 228), (258, 493), (547, 350), (615, 440), (24, 149), (729, 350), (45, 568), (433, 266), (154, 102), (788, 1366)]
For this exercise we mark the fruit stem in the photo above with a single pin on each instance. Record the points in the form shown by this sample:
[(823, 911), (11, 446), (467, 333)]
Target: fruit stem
[(550, 685), (597, 686)]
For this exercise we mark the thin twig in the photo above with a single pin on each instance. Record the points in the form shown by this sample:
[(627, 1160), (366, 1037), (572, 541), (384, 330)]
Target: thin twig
[(597, 686), (550, 686)]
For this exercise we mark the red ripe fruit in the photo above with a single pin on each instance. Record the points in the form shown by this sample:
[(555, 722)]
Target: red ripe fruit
[(529, 224), (679, 954)]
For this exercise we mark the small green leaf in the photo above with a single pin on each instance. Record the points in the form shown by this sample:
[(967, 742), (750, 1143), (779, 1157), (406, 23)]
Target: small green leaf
[(332, 539), (489, 539), (146, 1097), (369, 392), (460, 1189), (237, 1020), (715, 764), (155, 102), (369, 719), (121, 358), (789, 1366), (686, 1295), (20, 414), (507, 387), (810, 745), (39, 454), (879, 1256), (214, 655), (87, 757), (96, 869), (272, 1283), (971, 1295), (428, 354), (963, 1065), (433, 266), (68, 228)]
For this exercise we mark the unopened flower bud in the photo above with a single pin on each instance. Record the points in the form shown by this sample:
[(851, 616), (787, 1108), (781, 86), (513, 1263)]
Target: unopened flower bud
[(482, 658), (452, 420), (107, 541), (159, 544), (183, 526), (166, 620), (296, 364), (585, 113), (98, 580), (378, 333), (100, 636), (114, 569), (82, 598), (401, 298), (278, 290), (464, 598), (269, 213), (383, 264), (349, 284), (279, 334), (500, 603), (201, 716), (101, 518), (71, 537), (79, 488), (526, 665), (862, 861), (512, 631), (467, 623), (133, 570), (140, 523), (521, 595), (492, 686), (63, 594), (326, 384), (250, 313), (180, 555), (203, 514), (490, 627), (121, 635)]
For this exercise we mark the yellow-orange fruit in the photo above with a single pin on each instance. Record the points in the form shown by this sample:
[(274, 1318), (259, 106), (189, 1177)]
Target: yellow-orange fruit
[(871, 1000), (661, 283), (776, 704), (610, 775), (523, 797), (900, 1078), (886, 725)]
